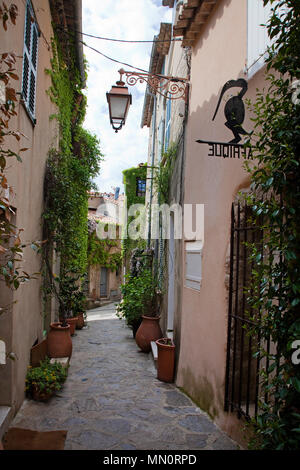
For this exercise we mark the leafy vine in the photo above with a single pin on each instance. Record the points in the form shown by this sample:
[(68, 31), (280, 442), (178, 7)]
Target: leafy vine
[(275, 175)]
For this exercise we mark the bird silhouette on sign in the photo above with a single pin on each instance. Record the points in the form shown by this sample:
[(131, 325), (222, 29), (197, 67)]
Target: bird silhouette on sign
[(234, 109)]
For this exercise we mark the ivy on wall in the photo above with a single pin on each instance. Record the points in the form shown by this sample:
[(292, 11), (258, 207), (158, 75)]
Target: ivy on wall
[(99, 253), (70, 170), (164, 172), (130, 182)]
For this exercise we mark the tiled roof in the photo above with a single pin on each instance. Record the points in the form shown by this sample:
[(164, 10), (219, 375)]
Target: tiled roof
[(193, 16)]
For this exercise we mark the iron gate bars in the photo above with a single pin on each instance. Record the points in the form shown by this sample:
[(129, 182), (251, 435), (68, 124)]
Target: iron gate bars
[(242, 369)]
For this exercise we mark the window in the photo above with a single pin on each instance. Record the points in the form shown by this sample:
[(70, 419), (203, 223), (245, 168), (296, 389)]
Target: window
[(30, 57), (193, 264), (140, 187)]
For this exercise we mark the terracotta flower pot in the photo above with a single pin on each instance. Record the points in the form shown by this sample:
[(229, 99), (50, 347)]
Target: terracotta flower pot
[(148, 331), (165, 360), (72, 322), (80, 321), (59, 340)]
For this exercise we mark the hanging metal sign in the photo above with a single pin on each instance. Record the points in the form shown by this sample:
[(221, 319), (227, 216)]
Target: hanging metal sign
[(234, 111)]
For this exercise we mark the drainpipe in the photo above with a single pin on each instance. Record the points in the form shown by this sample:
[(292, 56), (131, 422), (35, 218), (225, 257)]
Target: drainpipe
[(78, 39), (152, 167)]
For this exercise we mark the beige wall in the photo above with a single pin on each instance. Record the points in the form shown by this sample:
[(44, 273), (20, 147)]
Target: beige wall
[(218, 56), (26, 318)]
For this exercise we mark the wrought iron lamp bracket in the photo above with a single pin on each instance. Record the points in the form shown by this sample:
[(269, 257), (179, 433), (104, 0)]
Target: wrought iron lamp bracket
[(173, 88)]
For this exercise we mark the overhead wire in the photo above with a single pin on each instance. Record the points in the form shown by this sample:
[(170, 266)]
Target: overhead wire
[(123, 40)]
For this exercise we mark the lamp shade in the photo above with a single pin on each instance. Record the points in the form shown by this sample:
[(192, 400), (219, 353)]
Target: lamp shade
[(119, 101)]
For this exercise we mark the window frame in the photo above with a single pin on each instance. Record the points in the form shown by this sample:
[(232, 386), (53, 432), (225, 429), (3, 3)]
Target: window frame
[(139, 192)]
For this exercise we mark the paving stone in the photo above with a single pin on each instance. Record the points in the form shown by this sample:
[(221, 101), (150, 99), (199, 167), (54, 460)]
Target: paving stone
[(224, 443), (175, 398), (196, 441), (183, 410), (92, 440), (197, 423), (113, 400), (112, 426)]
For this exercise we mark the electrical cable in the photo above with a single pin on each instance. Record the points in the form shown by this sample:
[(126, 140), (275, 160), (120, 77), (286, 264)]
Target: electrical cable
[(114, 60), (122, 40)]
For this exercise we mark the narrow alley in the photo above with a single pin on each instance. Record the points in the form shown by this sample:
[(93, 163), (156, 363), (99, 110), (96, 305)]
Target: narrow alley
[(112, 399)]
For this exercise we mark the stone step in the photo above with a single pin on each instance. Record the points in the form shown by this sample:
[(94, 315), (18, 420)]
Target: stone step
[(5, 417)]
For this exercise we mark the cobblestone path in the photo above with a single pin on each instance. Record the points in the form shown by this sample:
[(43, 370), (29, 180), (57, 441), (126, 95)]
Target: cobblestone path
[(112, 399)]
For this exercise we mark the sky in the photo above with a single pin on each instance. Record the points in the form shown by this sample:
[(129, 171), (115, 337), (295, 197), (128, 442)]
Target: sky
[(122, 19)]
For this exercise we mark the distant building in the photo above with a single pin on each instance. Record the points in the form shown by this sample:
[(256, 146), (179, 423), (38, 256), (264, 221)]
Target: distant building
[(104, 280)]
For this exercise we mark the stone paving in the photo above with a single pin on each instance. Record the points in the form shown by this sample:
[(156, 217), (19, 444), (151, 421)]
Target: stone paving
[(112, 399)]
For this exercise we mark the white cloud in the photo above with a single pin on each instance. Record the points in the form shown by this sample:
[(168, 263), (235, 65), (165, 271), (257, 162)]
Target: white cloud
[(130, 20)]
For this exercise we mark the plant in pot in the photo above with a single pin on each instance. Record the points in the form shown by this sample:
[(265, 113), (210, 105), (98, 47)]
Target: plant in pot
[(79, 307), (130, 307), (72, 299), (59, 337), (165, 359), (44, 381)]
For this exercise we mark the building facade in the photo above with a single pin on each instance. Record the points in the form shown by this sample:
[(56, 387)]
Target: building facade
[(225, 45), (22, 324), (104, 279)]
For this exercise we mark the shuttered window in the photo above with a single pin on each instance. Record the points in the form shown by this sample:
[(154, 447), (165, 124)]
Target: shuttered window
[(258, 40), (30, 58)]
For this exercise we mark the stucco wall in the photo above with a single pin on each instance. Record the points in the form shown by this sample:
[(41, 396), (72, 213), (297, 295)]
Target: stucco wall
[(26, 318), (218, 56)]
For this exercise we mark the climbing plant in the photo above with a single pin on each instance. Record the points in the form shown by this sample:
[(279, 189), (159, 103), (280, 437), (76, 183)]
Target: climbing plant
[(100, 252), (164, 172), (11, 246), (275, 195)]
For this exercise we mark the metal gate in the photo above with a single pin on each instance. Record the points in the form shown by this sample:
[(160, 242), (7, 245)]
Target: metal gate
[(242, 369)]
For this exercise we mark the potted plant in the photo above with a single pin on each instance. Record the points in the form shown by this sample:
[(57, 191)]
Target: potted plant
[(42, 382), (165, 359), (79, 307)]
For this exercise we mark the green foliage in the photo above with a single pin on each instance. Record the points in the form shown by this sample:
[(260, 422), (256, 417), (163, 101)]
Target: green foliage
[(130, 182), (129, 179), (163, 175), (46, 378), (275, 202), (72, 299)]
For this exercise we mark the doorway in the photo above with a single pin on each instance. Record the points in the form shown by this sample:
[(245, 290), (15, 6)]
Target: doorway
[(103, 282)]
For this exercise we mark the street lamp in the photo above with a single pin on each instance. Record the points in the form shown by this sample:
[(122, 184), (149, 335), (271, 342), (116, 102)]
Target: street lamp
[(119, 101)]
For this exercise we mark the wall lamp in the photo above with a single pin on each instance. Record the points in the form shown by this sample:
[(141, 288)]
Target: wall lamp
[(119, 99)]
